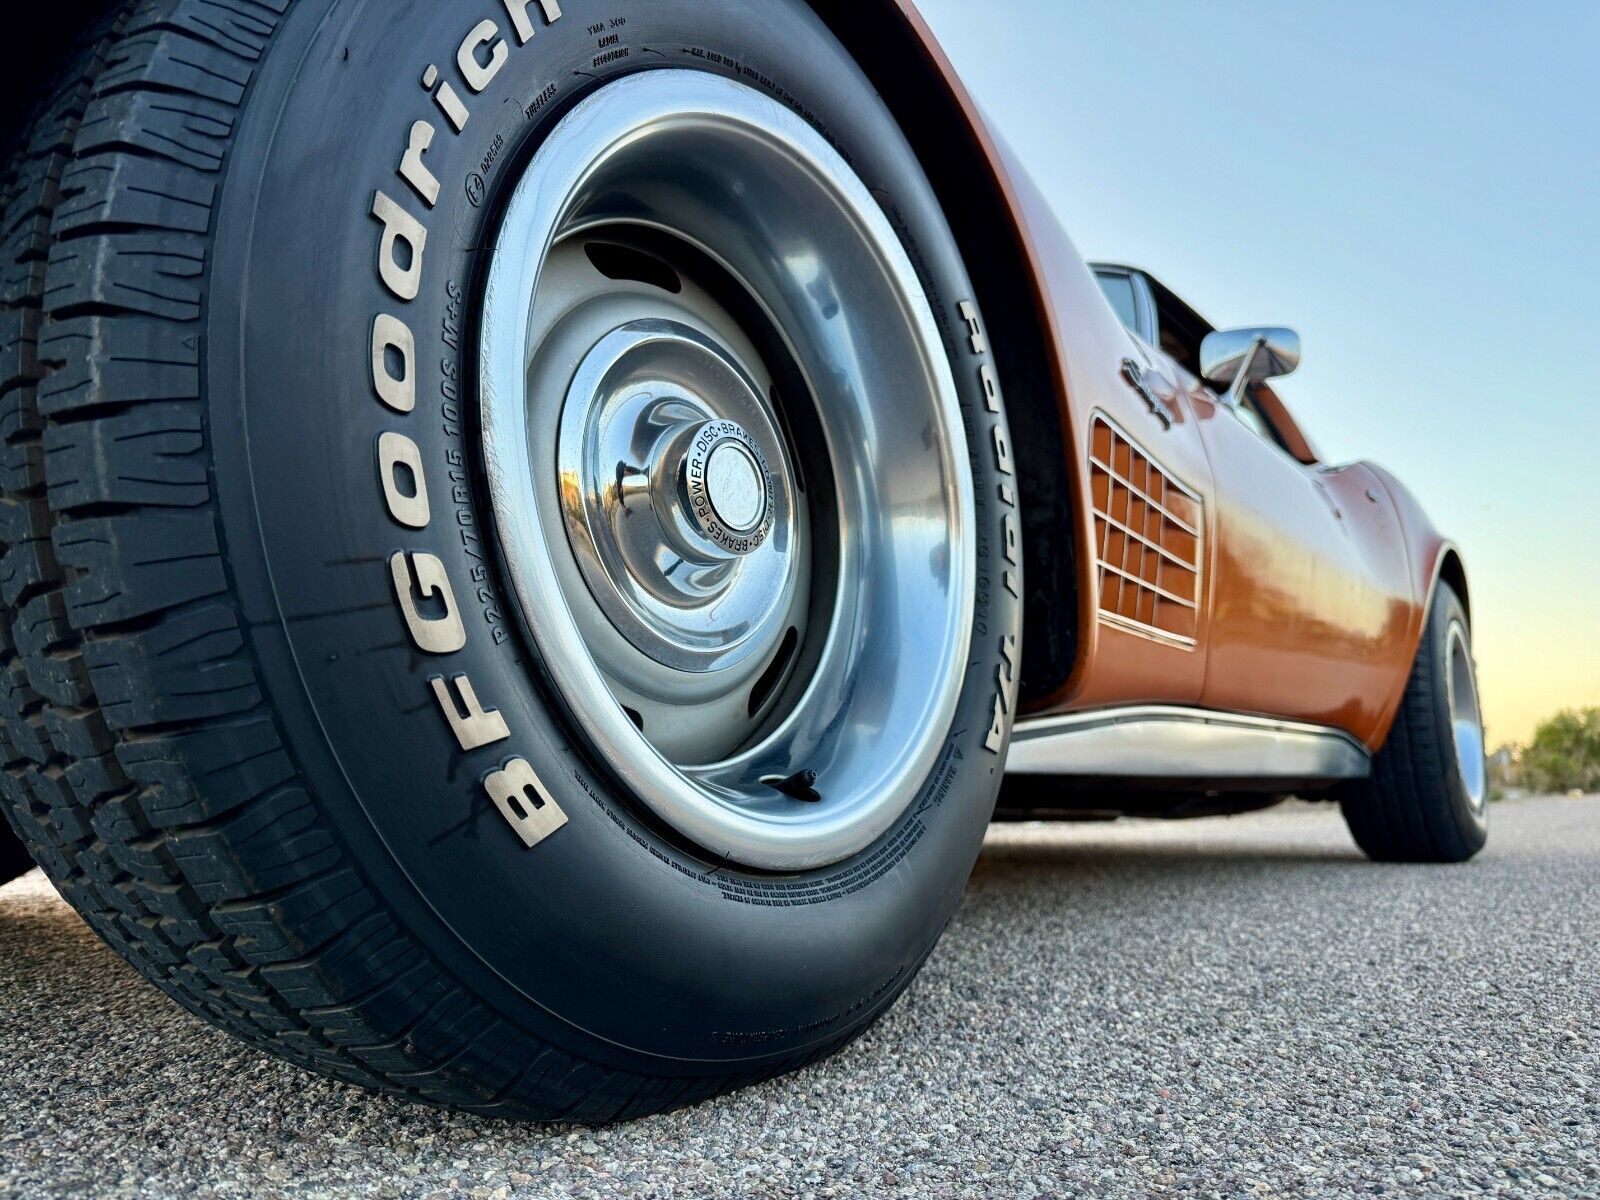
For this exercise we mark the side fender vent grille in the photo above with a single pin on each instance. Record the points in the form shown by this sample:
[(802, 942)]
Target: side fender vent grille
[(1147, 530)]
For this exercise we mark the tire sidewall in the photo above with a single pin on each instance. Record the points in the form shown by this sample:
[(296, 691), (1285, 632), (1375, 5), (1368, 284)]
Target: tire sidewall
[(609, 931)]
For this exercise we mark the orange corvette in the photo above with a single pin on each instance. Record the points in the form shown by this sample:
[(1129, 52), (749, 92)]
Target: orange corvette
[(536, 533)]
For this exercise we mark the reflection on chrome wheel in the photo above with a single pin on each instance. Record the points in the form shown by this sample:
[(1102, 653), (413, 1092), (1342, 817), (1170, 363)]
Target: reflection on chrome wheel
[(1466, 722), (727, 467)]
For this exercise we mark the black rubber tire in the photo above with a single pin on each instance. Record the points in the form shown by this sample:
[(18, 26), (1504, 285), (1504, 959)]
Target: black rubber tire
[(219, 742), (1414, 806)]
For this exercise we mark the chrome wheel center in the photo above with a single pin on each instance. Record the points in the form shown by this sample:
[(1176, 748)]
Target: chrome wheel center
[(673, 483)]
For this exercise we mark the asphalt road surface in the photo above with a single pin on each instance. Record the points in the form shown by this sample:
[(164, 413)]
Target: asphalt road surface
[(1231, 1007)]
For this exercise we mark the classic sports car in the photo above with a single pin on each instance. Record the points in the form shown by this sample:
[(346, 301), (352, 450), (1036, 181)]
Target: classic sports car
[(534, 534)]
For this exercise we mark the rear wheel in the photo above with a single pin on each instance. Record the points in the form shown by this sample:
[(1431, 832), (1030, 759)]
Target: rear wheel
[(1427, 797), (511, 593)]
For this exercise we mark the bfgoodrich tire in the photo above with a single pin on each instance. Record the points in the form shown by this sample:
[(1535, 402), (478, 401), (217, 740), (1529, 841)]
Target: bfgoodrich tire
[(281, 713)]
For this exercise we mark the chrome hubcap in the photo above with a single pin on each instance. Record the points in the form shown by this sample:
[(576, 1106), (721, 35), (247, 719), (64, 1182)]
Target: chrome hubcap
[(728, 469), (671, 502)]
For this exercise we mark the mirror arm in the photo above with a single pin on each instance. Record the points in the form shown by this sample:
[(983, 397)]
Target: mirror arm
[(1242, 379)]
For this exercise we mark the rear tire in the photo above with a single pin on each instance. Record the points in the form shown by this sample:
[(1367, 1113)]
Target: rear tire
[(1425, 800), (251, 561)]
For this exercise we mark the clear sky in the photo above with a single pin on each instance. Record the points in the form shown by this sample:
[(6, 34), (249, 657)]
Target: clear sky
[(1413, 186)]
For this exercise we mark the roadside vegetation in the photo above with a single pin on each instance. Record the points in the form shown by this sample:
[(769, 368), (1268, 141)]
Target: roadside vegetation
[(1564, 756)]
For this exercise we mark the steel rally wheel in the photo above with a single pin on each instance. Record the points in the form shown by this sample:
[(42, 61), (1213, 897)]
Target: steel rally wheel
[(728, 612), (521, 604)]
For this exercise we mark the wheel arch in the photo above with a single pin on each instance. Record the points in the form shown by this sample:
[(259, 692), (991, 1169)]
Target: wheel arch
[(30, 63), (894, 46)]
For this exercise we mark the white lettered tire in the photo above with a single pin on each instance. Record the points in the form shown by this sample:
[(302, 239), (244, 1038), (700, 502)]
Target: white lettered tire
[(380, 374)]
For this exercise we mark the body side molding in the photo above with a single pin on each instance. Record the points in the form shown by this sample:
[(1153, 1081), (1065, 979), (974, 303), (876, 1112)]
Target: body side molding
[(1168, 742)]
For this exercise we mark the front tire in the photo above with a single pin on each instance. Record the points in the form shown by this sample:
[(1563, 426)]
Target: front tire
[(1427, 797), (283, 721)]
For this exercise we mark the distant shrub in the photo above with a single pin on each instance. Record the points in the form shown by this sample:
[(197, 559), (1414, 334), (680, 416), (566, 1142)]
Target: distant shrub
[(1564, 753)]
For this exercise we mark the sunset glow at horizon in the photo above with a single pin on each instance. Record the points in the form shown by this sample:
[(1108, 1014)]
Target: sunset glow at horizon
[(1414, 189)]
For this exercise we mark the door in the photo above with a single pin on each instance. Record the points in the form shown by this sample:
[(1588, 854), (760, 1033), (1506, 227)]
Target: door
[(1309, 598)]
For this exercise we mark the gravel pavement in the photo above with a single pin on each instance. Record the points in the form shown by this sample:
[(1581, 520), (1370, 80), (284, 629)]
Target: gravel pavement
[(1230, 1007)]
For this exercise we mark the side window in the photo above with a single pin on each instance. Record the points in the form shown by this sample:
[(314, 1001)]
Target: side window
[(1119, 290)]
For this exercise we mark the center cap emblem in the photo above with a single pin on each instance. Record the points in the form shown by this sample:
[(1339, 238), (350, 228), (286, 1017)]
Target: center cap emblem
[(728, 487)]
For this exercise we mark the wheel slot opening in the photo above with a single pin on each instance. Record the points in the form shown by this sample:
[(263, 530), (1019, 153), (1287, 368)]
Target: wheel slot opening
[(799, 786), (776, 669), (626, 263), (796, 460)]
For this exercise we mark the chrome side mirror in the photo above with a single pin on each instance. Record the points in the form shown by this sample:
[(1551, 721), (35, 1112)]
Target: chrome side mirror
[(1239, 358)]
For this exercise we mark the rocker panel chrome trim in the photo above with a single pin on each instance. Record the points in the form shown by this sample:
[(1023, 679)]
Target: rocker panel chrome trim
[(1162, 742)]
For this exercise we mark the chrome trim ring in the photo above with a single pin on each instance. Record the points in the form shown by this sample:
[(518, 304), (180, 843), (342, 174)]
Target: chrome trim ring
[(1466, 718), (868, 561)]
